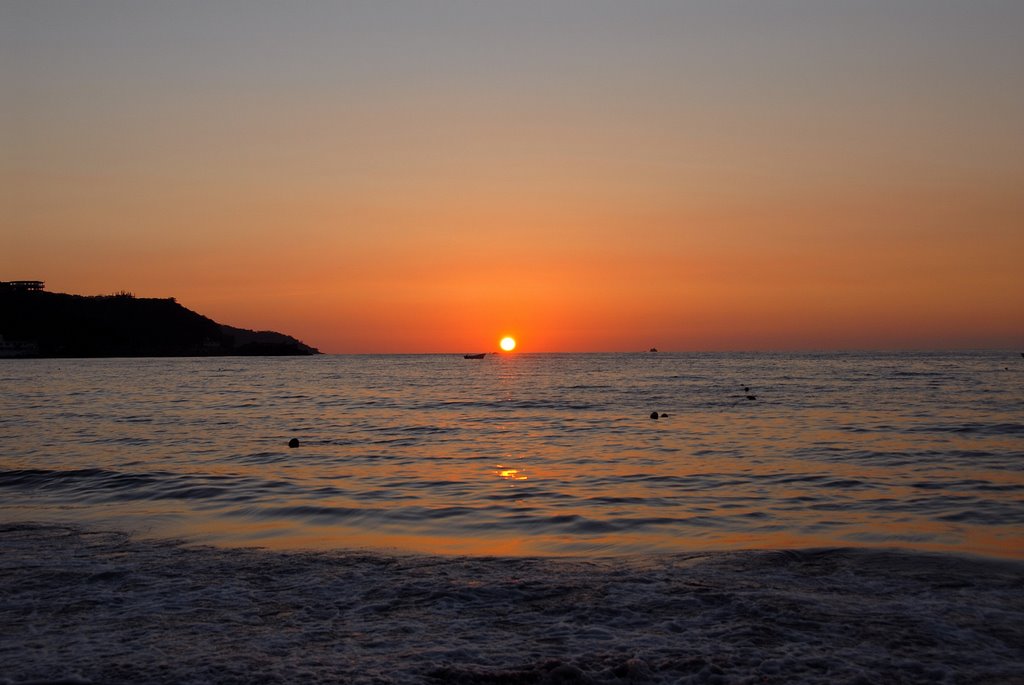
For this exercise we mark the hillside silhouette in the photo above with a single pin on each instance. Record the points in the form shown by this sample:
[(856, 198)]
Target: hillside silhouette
[(47, 324)]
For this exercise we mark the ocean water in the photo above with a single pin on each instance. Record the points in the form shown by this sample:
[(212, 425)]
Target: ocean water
[(514, 520), (525, 454)]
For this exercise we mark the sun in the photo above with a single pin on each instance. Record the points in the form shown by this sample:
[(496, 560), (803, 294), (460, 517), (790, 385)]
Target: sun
[(508, 344)]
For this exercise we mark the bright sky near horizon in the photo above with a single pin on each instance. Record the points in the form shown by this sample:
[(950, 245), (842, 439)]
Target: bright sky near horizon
[(587, 175)]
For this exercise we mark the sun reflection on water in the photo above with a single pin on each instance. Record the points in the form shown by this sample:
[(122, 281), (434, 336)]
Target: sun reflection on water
[(509, 474)]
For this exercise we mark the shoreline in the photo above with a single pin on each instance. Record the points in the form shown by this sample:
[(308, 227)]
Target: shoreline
[(93, 606)]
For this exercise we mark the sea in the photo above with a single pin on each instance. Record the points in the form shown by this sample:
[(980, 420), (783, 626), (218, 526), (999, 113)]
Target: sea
[(522, 518)]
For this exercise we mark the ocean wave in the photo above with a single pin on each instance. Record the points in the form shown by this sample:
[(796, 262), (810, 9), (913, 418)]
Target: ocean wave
[(120, 610), (969, 427), (104, 485)]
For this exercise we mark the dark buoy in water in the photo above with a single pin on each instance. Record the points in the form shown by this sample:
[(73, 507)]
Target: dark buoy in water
[(294, 442), (664, 416), (654, 415), (751, 397)]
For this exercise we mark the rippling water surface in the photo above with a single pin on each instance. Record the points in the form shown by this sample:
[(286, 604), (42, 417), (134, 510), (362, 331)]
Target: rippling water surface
[(526, 454)]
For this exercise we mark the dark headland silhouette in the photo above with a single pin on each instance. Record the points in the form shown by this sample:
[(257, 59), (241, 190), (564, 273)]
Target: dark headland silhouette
[(37, 323)]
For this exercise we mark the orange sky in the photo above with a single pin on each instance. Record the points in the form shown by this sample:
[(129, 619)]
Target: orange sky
[(583, 176)]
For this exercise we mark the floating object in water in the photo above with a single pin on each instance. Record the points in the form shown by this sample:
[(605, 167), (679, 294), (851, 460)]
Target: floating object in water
[(474, 356), (294, 442), (654, 415), (664, 416), (654, 349), (751, 397)]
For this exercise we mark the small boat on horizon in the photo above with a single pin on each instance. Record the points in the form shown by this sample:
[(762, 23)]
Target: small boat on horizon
[(474, 356)]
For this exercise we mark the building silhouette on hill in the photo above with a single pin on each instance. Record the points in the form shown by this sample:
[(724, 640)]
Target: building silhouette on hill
[(21, 286)]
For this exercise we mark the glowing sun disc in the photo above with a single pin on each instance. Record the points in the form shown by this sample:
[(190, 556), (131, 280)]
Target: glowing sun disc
[(508, 344)]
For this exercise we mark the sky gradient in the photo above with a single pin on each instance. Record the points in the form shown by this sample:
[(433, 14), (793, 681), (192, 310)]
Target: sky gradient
[(584, 176)]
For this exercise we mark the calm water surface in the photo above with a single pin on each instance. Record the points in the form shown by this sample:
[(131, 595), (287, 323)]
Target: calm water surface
[(525, 454)]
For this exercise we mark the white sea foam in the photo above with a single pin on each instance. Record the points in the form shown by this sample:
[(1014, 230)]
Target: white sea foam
[(80, 606)]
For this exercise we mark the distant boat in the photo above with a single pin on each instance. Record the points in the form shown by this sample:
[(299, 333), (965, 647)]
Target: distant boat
[(474, 356), (654, 349)]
